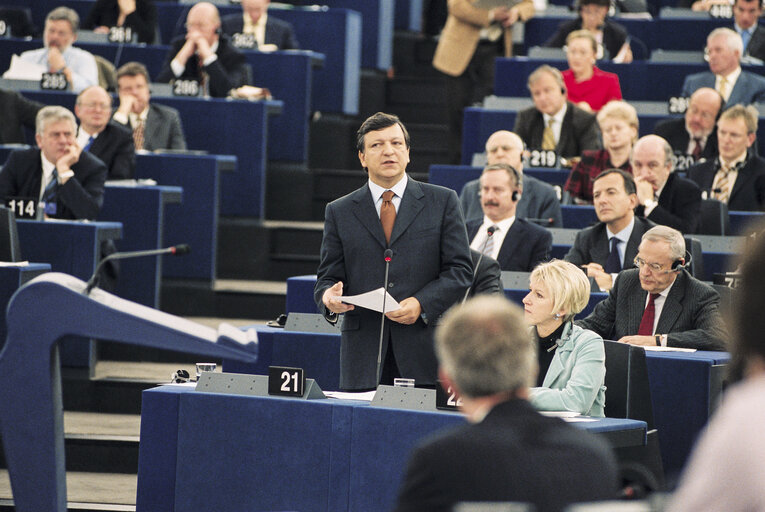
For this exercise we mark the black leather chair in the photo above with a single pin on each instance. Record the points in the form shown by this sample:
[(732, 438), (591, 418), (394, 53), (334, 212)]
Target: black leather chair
[(714, 218)]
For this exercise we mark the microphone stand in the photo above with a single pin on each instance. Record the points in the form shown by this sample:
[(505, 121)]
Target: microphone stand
[(489, 233), (388, 255), (175, 251)]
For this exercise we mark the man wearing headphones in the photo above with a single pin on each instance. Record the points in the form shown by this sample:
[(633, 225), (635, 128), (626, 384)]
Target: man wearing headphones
[(518, 245), (554, 123), (660, 303), (205, 55)]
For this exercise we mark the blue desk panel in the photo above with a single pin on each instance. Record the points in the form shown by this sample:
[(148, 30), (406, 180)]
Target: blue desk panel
[(195, 220), (408, 15), (339, 455), (141, 211), (11, 278)]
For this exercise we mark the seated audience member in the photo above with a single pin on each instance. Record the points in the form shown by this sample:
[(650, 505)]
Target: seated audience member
[(663, 197), (109, 141), (268, 32), (507, 451), (154, 126), (610, 36), (724, 50), (611, 245), (694, 135), (487, 276), (140, 16), (588, 87), (59, 172), (746, 15), (205, 55), (618, 122), (660, 302), (518, 245), (554, 123), (18, 113), (737, 176), (725, 467), (572, 360), (59, 56), (539, 200)]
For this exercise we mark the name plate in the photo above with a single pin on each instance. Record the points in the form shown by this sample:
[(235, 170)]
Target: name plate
[(286, 381), (22, 207), (186, 88), (682, 161), (724, 11), (53, 81), (120, 34), (677, 105), (246, 41), (543, 158), (446, 398)]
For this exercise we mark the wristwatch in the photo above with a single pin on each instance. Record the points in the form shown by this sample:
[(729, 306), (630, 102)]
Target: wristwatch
[(661, 340)]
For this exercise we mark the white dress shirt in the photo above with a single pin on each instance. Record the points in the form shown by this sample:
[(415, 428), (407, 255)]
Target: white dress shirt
[(503, 226)]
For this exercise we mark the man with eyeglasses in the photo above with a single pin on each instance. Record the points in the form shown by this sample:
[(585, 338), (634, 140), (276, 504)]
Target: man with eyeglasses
[(663, 197), (737, 176), (539, 200), (102, 137), (660, 303), (694, 135)]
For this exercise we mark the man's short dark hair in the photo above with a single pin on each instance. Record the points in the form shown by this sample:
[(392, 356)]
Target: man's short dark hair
[(379, 121), (629, 181), (602, 3), (133, 69)]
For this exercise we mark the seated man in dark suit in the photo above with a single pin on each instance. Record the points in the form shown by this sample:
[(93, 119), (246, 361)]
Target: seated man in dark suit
[(724, 50), (611, 245), (746, 15), (554, 123), (518, 245), (268, 33), (539, 200), (18, 113), (205, 55), (694, 135), (507, 451), (660, 303), (737, 177), (663, 197), (154, 126), (109, 141), (70, 181)]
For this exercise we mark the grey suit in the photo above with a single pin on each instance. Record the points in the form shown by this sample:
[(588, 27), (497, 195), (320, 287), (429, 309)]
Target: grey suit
[(591, 244), (690, 316), (756, 46), (749, 88), (163, 129), (431, 262), (579, 130), (538, 201)]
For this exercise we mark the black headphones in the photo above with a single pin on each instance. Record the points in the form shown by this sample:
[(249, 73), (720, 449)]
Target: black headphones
[(678, 265)]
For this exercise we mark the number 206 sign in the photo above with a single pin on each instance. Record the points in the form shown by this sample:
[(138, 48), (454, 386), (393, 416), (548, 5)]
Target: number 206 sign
[(285, 381)]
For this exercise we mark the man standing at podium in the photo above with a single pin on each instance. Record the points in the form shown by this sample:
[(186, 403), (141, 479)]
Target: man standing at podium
[(430, 266)]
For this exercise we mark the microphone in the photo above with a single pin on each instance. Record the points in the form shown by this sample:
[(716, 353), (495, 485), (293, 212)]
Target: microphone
[(387, 255), (489, 233), (542, 222), (176, 250)]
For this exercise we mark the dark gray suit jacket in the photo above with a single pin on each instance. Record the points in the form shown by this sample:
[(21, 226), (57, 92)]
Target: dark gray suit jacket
[(114, 147), (756, 46), (690, 316), (673, 131), (579, 130), (524, 247), (17, 112), (749, 88), (591, 244), (163, 129), (748, 192), (487, 276), (278, 32), (538, 201), (431, 262)]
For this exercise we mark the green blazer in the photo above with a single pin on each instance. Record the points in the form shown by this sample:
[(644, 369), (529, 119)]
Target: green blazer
[(574, 381)]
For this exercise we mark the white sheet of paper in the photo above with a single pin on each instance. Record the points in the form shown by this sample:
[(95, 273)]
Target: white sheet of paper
[(560, 414), (367, 396), (372, 300), (23, 70), (491, 4), (14, 263), (669, 349)]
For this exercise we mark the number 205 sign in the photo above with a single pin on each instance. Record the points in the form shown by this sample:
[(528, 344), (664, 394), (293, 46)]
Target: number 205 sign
[(285, 381)]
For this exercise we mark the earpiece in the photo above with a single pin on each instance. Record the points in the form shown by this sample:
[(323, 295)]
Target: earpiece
[(515, 197)]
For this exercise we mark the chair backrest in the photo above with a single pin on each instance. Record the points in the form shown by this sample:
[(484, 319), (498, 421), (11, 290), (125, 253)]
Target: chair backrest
[(714, 218), (10, 249), (628, 394), (694, 249), (543, 52), (107, 74)]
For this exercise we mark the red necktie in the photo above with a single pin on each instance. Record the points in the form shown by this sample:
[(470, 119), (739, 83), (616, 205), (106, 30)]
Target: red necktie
[(696, 154), (646, 324), (387, 214)]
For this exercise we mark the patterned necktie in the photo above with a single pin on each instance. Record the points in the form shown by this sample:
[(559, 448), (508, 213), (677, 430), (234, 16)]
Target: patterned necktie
[(614, 263), (488, 245), (49, 194), (387, 214), (204, 78), (138, 133), (696, 154), (646, 324), (721, 185), (88, 144), (548, 137), (723, 88)]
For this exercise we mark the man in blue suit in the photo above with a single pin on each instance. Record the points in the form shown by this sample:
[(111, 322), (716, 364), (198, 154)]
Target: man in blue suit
[(430, 266), (266, 31), (724, 49), (518, 245)]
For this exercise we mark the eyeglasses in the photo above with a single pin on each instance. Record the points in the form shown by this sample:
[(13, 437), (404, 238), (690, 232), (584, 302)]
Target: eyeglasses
[(653, 267), (96, 106)]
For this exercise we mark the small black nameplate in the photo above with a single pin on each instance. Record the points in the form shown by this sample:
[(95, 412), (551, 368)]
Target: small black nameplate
[(543, 158), (246, 41), (186, 88), (446, 398), (53, 81), (22, 207), (285, 381), (677, 105), (120, 34), (721, 11)]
